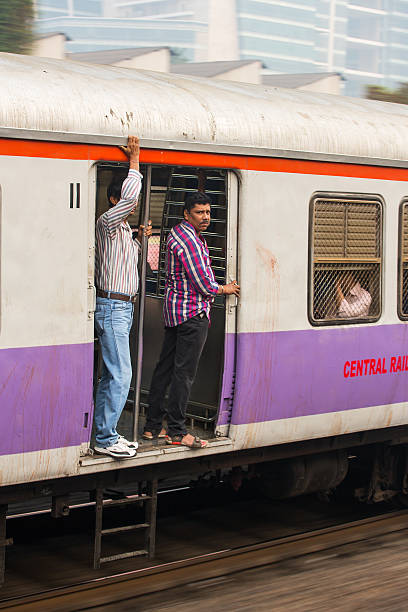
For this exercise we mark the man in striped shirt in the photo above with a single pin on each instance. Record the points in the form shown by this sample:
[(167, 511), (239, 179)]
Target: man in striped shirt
[(116, 278), (190, 290)]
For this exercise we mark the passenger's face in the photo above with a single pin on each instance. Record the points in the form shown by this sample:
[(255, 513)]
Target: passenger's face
[(199, 216)]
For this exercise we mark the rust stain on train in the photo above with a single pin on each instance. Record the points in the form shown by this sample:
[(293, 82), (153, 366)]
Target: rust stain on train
[(267, 288), (4, 385), (265, 317), (26, 381), (251, 434), (337, 426)]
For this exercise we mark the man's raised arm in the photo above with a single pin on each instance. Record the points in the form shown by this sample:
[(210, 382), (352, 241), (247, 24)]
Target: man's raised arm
[(130, 188)]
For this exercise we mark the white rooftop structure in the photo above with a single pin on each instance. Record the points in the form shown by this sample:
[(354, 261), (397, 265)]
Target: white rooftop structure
[(98, 102)]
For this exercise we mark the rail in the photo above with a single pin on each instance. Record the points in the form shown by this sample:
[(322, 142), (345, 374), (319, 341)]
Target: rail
[(127, 585)]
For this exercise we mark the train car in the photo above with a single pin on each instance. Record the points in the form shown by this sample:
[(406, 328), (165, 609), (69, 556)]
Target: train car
[(310, 201)]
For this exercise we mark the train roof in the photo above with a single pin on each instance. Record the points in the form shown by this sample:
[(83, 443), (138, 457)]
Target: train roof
[(49, 95)]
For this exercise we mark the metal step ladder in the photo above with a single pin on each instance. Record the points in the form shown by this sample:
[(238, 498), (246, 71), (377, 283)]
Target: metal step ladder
[(149, 500)]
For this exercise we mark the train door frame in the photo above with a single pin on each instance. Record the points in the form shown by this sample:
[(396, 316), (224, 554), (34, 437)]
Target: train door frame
[(228, 358), (226, 381), (226, 399)]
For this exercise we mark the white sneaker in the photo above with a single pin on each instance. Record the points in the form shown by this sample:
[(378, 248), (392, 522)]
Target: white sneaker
[(127, 443), (117, 450)]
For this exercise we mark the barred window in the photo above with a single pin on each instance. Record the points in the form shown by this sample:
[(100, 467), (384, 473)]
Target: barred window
[(346, 255), (403, 262)]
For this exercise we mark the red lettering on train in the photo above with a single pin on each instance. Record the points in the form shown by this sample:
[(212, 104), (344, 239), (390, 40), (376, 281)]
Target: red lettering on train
[(366, 362), (371, 367), (379, 368)]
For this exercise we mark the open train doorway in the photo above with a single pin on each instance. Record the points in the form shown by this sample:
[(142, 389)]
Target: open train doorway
[(212, 392)]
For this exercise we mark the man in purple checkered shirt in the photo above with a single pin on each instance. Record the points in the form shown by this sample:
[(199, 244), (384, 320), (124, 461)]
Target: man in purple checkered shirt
[(190, 290)]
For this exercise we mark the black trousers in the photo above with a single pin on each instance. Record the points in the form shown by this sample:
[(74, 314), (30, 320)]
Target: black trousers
[(177, 367)]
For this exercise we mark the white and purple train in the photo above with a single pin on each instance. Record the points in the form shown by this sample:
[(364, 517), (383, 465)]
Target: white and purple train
[(308, 189)]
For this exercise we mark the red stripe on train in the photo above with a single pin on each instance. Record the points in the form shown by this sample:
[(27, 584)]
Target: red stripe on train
[(55, 150)]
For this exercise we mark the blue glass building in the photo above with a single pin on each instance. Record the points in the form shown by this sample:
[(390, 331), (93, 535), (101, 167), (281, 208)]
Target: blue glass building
[(90, 26), (49, 9), (364, 40)]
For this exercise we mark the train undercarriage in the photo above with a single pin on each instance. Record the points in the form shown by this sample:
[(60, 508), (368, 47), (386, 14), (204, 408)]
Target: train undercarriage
[(372, 466)]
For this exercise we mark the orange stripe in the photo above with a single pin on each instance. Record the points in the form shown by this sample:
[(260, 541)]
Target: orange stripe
[(56, 150)]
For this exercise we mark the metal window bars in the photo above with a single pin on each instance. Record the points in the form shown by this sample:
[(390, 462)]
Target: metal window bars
[(181, 182), (346, 260)]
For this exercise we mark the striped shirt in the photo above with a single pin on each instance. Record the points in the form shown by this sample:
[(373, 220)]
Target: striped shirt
[(190, 282), (117, 253)]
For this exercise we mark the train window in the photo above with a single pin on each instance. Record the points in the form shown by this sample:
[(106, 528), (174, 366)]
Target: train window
[(345, 259), (403, 262)]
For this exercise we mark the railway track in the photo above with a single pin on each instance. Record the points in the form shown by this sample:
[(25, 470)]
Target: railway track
[(128, 585)]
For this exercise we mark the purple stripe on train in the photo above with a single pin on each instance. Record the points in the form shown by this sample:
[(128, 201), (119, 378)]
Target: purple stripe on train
[(45, 392), (282, 375)]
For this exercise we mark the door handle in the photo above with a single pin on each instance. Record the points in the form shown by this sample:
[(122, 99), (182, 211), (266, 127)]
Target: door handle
[(232, 299), (91, 299)]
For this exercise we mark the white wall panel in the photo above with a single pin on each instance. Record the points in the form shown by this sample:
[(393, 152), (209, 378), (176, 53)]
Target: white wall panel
[(39, 465), (44, 249), (316, 426), (273, 245)]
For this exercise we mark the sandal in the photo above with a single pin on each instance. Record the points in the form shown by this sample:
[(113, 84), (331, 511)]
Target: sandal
[(178, 441), (147, 435)]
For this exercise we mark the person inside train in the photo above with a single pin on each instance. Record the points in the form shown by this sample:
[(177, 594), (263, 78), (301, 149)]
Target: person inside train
[(352, 300), (116, 280), (190, 288)]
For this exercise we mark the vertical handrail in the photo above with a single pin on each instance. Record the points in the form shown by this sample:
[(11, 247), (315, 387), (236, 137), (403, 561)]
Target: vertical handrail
[(98, 528), (3, 541), (142, 299), (150, 517)]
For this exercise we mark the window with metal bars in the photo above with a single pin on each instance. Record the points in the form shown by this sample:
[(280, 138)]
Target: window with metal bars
[(168, 204), (403, 261), (346, 259)]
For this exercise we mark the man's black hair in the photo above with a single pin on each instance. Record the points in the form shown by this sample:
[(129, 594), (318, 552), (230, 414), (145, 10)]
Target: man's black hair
[(196, 198), (114, 190)]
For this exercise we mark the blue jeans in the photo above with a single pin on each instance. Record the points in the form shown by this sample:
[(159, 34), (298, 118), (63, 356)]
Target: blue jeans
[(113, 320)]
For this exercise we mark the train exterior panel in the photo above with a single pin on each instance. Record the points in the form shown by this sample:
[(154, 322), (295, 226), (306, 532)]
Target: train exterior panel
[(293, 380), (284, 379), (46, 353)]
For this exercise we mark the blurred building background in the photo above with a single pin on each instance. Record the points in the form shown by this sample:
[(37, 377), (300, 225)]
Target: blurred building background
[(366, 41)]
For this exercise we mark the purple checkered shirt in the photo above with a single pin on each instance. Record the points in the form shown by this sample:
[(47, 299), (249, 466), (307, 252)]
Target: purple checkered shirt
[(190, 282)]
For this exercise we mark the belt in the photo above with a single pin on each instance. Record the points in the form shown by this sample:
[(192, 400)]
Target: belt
[(116, 296)]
